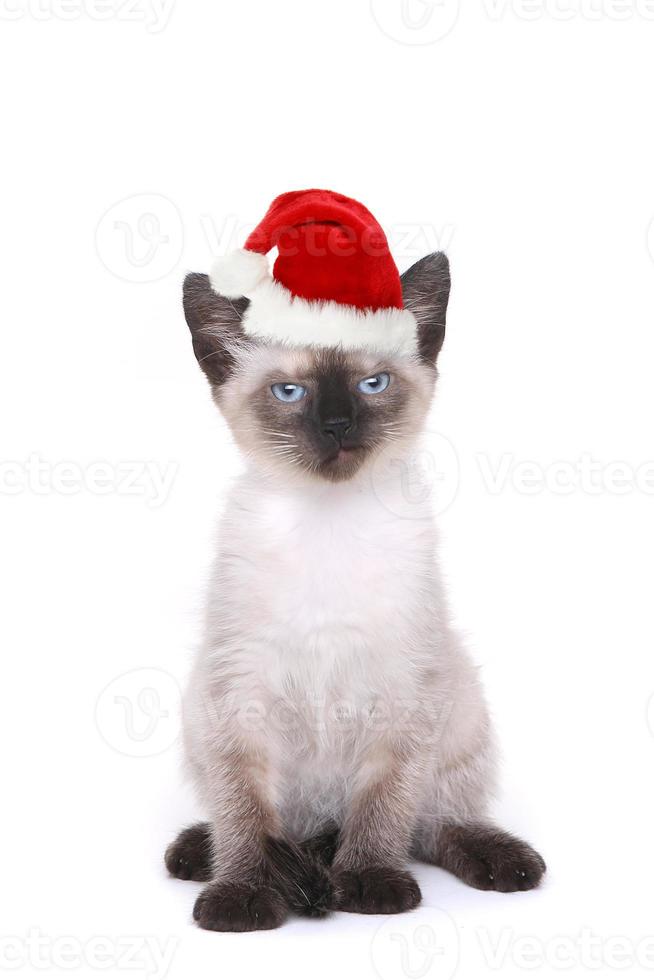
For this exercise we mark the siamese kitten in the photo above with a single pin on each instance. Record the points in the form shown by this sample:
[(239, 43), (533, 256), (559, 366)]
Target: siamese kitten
[(335, 727)]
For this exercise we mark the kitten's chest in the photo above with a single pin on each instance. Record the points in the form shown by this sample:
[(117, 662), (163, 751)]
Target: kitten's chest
[(336, 572), (325, 601), (324, 587)]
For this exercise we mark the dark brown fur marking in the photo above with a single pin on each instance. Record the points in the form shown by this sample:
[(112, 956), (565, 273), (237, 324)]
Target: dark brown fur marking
[(375, 891), (297, 874), (486, 858), (190, 855), (215, 324), (426, 292), (331, 383), (239, 907), (301, 876)]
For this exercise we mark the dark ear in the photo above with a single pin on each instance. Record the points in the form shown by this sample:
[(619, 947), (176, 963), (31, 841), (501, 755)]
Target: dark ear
[(426, 290), (215, 324)]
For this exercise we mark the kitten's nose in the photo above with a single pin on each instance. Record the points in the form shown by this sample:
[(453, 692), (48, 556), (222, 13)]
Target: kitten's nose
[(337, 428)]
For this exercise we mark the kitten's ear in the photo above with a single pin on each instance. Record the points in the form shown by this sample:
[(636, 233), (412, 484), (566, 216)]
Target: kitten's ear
[(215, 325), (426, 290)]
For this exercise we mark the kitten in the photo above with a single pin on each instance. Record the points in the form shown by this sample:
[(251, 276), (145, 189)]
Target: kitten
[(334, 724)]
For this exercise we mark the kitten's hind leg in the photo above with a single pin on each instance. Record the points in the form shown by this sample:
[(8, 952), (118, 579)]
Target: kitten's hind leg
[(481, 855), (190, 855), (300, 871)]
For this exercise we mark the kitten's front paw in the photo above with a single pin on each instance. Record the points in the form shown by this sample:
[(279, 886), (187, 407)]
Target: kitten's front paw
[(224, 907), (375, 891)]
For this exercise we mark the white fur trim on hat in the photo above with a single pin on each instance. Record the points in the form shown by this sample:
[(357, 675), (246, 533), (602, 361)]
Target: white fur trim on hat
[(239, 273), (275, 314)]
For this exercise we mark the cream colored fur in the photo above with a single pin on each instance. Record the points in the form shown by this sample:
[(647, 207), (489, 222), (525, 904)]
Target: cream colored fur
[(329, 665)]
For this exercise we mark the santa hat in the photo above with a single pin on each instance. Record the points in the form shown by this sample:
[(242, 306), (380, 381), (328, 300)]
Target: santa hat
[(334, 282)]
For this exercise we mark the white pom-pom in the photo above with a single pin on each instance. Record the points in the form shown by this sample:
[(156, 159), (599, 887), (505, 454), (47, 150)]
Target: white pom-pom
[(238, 273)]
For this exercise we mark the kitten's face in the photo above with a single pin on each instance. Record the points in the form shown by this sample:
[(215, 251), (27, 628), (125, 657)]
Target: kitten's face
[(319, 412), (323, 412)]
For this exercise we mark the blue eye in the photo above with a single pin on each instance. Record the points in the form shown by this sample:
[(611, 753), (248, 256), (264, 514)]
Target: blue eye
[(375, 383), (287, 392)]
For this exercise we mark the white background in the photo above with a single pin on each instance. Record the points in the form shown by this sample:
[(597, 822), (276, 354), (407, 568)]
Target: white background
[(139, 141)]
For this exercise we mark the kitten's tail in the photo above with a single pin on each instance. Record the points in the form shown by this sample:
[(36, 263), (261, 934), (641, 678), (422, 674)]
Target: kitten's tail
[(301, 871)]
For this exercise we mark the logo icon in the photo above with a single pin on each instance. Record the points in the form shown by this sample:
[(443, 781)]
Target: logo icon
[(415, 21), (138, 713), (140, 239), (425, 481), (424, 943)]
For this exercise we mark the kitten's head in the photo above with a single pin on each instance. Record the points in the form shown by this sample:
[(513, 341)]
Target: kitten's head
[(319, 411)]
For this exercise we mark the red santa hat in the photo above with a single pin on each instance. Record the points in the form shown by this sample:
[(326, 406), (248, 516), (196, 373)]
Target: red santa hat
[(334, 281)]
